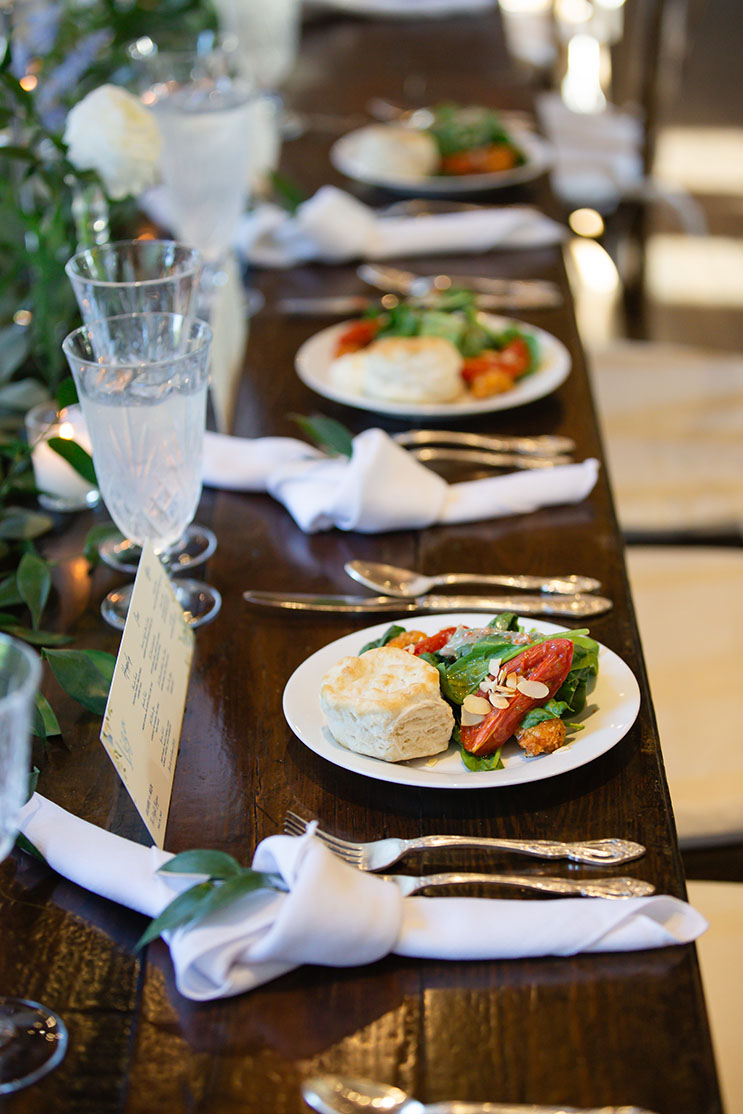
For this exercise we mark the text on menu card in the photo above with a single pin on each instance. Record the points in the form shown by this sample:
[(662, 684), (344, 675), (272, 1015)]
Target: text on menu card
[(144, 714)]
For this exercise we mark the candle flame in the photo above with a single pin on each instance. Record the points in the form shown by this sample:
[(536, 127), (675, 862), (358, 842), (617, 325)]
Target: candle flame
[(67, 431)]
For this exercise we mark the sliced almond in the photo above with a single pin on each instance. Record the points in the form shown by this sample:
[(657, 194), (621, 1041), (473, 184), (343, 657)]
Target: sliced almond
[(471, 719), (494, 667), (487, 685), (533, 688), (512, 681), (498, 701), (478, 705)]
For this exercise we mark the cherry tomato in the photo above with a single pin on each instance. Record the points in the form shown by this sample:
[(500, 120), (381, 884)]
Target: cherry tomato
[(480, 160), (548, 662), (472, 366), (435, 642), (516, 357), (357, 335)]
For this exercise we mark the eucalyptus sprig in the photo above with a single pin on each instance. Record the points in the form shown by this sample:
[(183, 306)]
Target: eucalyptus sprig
[(85, 675), (225, 882), (328, 434)]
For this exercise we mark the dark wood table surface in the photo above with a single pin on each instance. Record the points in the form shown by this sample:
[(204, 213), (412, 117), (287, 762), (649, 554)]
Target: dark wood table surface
[(588, 1030)]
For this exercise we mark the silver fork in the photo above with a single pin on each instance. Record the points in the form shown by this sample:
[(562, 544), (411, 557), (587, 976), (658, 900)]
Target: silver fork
[(573, 887), (384, 852)]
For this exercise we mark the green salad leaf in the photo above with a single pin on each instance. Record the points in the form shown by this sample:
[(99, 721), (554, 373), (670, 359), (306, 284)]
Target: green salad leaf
[(453, 315), (477, 762), (389, 634), (462, 128)]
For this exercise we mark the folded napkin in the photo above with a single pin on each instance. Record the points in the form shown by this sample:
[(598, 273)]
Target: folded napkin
[(335, 915), (334, 226), (382, 487)]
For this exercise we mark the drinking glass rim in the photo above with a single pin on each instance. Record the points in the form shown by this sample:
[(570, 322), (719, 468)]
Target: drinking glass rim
[(197, 264), (205, 330), (30, 682), (204, 44)]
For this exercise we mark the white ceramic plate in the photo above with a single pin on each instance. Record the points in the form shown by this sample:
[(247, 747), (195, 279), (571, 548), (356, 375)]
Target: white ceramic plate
[(345, 155), (613, 704), (315, 356)]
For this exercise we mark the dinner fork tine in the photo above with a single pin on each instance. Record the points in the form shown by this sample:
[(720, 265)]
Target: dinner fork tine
[(352, 853), (381, 853)]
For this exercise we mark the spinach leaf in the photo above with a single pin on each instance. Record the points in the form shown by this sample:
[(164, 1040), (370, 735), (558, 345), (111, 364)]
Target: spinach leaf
[(389, 634), (438, 323), (473, 340), (553, 709), (507, 620), (585, 653), (403, 320), (482, 761)]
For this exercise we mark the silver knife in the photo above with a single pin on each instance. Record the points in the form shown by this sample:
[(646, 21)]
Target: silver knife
[(511, 292), (578, 606), (341, 304)]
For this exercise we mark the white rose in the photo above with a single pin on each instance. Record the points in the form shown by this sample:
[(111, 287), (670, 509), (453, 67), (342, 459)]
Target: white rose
[(110, 131)]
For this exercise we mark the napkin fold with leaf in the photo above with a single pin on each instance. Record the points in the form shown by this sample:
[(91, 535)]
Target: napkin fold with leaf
[(380, 486), (311, 907), (332, 227)]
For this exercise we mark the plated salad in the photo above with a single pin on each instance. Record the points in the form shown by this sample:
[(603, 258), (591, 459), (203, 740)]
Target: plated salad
[(491, 360), (505, 682), (472, 140)]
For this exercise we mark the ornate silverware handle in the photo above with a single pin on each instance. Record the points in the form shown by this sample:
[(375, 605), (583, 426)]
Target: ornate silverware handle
[(486, 458), (542, 444), (603, 851), (561, 585), (598, 887)]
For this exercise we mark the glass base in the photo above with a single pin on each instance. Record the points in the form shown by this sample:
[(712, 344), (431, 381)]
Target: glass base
[(196, 546), (200, 603), (33, 1040), (67, 504)]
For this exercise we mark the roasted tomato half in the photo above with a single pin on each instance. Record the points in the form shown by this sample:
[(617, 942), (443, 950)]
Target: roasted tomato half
[(548, 662)]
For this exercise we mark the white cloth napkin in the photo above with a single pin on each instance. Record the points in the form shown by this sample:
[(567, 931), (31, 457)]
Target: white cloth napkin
[(332, 226), (382, 487), (337, 916)]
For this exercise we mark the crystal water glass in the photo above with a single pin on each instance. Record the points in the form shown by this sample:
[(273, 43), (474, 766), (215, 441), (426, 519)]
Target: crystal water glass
[(135, 276), (267, 36), (142, 276), (142, 379), (204, 112), (33, 1039)]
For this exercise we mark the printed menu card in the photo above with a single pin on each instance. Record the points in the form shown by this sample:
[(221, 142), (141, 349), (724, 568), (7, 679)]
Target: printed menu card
[(144, 714)]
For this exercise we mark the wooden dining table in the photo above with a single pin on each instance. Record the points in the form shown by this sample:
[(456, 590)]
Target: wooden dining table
[(586, 1030)]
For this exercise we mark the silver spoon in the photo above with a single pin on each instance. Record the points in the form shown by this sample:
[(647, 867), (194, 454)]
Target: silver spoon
[(393, 581), (521, 293), (338, 1094)]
